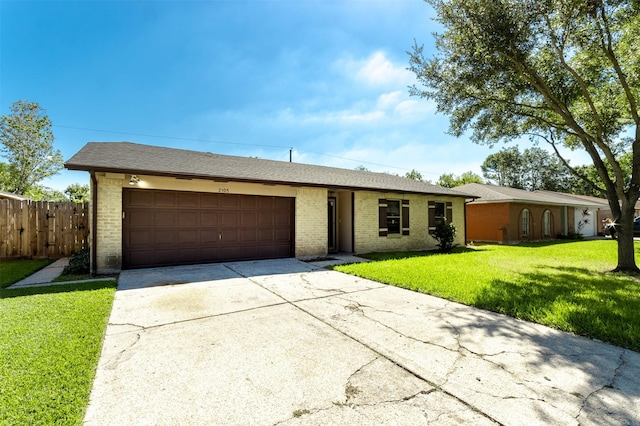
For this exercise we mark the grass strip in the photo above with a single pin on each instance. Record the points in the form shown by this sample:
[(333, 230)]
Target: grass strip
[(50, 342), (12, 271)]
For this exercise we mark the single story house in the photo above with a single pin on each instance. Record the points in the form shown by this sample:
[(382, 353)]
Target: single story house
[(604, 211), (509, 215), (156, 206)]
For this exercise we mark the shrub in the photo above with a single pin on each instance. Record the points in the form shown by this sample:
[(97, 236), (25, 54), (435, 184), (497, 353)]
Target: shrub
[(445, 233), (79, 263)]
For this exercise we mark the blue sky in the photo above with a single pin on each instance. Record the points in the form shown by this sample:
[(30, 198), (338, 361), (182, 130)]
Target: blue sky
[(327, 78)]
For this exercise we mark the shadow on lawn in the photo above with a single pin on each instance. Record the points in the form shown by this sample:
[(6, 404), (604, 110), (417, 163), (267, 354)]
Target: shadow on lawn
[(588, 303), (408, 254), (52, 289)]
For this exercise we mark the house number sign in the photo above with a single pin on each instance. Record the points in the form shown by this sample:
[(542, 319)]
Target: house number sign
[(223, 190)]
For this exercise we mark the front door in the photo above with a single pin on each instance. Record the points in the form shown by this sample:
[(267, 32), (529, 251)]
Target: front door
[(332, 237)]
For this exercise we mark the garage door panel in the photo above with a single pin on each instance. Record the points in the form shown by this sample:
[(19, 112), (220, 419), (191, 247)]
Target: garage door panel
[(209, 219), (282, 219), (249, 202), (139, 218), (139, 200), (265, 219), (164, 218), (172, 227), (141, 237), (188, 237), (167, 236), (247, 235), (188, 218), (229, 219), (209, 236), (165, 199), (282, 234), (188, 199), (230, 202), (248, 219), (229, 236), (209, 201)]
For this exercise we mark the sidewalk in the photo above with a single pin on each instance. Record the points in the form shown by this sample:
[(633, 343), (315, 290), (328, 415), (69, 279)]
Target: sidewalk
[(46, 275)]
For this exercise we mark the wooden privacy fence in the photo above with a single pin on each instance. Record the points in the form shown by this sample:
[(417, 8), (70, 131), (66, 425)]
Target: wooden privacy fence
[(42, 229)]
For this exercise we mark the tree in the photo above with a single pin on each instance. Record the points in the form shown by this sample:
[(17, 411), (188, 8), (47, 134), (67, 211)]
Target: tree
[(27, 145), (415, 175), (504, 168), (563, 72), (449, 180), (44, 193), (77, 193), (535, 168), (361, 168)]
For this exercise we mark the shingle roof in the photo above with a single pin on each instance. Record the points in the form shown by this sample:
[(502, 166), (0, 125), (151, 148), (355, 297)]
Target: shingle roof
[(493, 193), (127, 157)]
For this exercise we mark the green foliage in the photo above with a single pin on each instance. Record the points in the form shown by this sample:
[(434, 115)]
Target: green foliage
[(445, 234), (449, 180), (562, 72), (44, 193), (77, 193), (361, 168), (415, 175), (79, 263), (50, 340), (27, 145), (564, 285), (532, 169)]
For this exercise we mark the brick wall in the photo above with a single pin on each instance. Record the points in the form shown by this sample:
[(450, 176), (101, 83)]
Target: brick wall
[(109, 222), (502, 222), (367, 237), (311, 222)]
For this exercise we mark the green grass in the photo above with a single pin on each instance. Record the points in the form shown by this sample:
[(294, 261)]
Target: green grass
[(565, 285), (12, 271), (50, 341)]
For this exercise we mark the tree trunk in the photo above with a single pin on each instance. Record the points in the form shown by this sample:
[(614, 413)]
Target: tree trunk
[(626, 251)]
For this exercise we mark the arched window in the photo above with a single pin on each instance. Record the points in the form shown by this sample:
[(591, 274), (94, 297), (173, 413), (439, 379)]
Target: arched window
[(546, 219), (525, 223)]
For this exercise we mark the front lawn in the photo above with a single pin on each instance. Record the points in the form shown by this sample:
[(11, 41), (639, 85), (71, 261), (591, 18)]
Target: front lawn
[(50, 341), (12, 271), (564, 285)]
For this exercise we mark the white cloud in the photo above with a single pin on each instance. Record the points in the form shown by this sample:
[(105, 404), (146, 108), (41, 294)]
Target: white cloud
[(376, 70)]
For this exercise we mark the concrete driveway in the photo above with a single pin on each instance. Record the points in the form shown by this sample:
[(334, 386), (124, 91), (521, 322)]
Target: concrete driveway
[(284, 342)]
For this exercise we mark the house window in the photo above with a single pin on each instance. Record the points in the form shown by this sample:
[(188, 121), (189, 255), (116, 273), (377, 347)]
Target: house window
[(525, 223), (393, 217), (439, 212), (546, 219)]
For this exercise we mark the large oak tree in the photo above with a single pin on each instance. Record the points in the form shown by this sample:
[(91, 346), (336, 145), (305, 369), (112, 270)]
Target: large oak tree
[(564, 71)]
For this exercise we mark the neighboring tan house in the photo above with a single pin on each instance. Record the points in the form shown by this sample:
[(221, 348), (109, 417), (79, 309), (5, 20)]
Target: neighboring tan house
[(508, 215), (156, 206)]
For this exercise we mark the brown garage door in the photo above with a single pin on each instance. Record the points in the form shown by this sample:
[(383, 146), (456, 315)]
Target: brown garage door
[(176, 228)]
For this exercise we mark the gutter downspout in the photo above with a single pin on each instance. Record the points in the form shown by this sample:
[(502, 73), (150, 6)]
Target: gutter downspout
[(94, 223)]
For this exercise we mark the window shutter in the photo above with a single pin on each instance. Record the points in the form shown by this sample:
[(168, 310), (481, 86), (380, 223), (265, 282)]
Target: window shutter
[(382, 217), (449, 211), (405, 217), (432, 217)]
